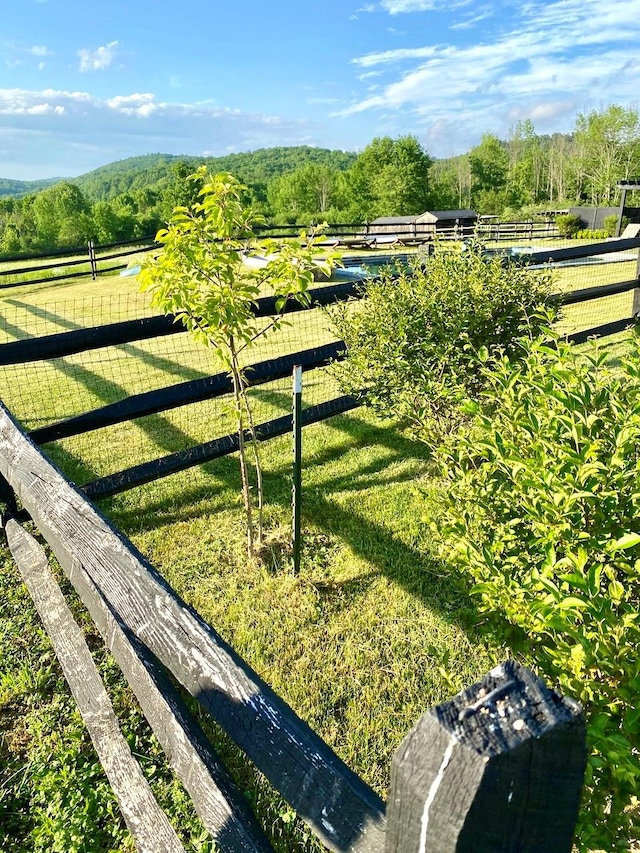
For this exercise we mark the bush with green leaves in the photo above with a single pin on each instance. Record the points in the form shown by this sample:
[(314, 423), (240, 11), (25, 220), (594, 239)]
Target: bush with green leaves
[(540, 508), (610, 224), (568, 224), (591, 234), (412, 342)]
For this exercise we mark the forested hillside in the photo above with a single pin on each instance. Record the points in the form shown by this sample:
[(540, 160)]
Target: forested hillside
[(17, 189), (255, 168), (510, 178)]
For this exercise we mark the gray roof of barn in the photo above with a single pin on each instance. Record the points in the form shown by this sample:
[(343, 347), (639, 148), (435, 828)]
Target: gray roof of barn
[(395, 220), (453, 214)]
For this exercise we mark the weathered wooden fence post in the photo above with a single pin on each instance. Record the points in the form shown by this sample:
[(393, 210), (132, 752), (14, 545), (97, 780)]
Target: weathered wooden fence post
[(92, 260), (498, 768)]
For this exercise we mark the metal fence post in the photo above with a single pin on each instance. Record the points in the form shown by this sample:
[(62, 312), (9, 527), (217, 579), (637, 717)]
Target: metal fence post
[(297, 465)]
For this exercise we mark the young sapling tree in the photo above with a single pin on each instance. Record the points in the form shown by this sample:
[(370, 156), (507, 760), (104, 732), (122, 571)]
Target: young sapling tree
[(200, 278)]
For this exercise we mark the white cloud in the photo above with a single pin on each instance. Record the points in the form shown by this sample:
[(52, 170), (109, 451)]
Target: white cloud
[(554, 58), (99, 59), (395, 7), (17, 102), (46, 127), (468, 23), (39, 50), (398, 55), (141, 105)]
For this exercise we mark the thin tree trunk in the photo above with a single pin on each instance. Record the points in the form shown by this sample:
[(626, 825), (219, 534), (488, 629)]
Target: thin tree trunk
[(244, 470), (258, 464)]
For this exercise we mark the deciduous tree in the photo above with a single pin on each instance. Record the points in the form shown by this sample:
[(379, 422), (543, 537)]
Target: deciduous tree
[(200, 278), (390, 178)]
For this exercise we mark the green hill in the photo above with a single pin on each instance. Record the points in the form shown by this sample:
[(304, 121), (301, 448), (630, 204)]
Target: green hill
[(17, 189), (255, 168)]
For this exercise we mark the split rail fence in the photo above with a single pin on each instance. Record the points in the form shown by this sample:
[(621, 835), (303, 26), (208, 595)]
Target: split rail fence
[(94, 260), (499, 767), (62, 344)]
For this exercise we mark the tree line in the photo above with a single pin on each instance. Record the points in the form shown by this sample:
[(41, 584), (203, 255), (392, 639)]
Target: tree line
[(390, 177)]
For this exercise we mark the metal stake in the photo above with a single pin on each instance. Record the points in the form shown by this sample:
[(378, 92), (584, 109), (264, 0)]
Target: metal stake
[(297, 464)]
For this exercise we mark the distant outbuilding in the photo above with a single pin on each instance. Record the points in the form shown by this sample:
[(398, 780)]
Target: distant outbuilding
[(425, 225)]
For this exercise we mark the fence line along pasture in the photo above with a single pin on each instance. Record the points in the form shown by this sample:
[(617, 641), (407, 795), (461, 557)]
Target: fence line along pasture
[(89, 261), (498, 767), (84, 262), (144, 387), (512, 751)]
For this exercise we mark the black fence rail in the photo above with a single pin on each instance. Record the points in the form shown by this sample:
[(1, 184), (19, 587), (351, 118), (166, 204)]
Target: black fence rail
[(498, 767), (90, 260), (82, 267), (209, 387)]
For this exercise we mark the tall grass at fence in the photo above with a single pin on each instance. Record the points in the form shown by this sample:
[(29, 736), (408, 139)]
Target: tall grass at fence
[(369, 635)]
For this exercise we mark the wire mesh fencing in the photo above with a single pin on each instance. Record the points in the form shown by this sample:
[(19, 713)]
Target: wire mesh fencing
[(135, 386), (42, 393)]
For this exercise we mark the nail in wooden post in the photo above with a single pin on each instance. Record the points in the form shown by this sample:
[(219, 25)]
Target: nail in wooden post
[(498, 768)]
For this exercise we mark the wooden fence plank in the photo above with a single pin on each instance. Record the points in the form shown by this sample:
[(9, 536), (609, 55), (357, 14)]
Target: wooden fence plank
[(181, 460), (62, 344), (600, 291), (217, 800), (146, 821), (498, 768), (344, 812), (603, 331), (575, 252)]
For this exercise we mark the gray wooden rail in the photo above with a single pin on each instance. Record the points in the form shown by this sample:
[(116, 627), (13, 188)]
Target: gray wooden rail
[(499, 767)]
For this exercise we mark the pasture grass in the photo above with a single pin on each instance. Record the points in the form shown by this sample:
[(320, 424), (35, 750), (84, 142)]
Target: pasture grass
[(371, 633)]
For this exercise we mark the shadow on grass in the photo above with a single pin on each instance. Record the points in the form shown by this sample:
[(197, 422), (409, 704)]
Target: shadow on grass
[(160, 430), (157, 362), (337, 517)]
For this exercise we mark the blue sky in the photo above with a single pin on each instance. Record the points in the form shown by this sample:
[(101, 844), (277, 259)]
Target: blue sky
[(85, 83)]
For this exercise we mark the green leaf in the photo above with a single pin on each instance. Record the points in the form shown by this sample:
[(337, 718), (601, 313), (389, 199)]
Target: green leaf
[(629, 540)]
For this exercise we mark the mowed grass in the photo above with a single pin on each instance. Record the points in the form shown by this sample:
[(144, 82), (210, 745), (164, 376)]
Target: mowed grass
[(370, 634)]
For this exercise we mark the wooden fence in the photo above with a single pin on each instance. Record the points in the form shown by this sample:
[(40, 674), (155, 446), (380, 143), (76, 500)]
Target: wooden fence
[(92, 265), (67, 343), (97, 260), (498, 767)]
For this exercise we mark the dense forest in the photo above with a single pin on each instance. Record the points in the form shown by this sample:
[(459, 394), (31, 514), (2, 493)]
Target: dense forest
[(510, 178)]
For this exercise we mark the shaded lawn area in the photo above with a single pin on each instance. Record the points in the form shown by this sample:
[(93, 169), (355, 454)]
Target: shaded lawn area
[(370, 634)]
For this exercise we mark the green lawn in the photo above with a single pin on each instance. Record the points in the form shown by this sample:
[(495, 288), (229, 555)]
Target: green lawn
[(371, 633)]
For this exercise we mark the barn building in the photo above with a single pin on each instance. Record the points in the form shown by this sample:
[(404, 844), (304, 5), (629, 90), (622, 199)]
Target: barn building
[(462, 223)]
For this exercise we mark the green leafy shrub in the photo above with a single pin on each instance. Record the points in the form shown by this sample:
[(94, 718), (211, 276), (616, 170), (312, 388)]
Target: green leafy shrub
[(591, 234), (568, 224), (412, 342), (611, 224), (541, 509)]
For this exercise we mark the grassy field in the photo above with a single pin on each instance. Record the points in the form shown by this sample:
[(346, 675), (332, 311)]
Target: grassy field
[(371, 633)]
